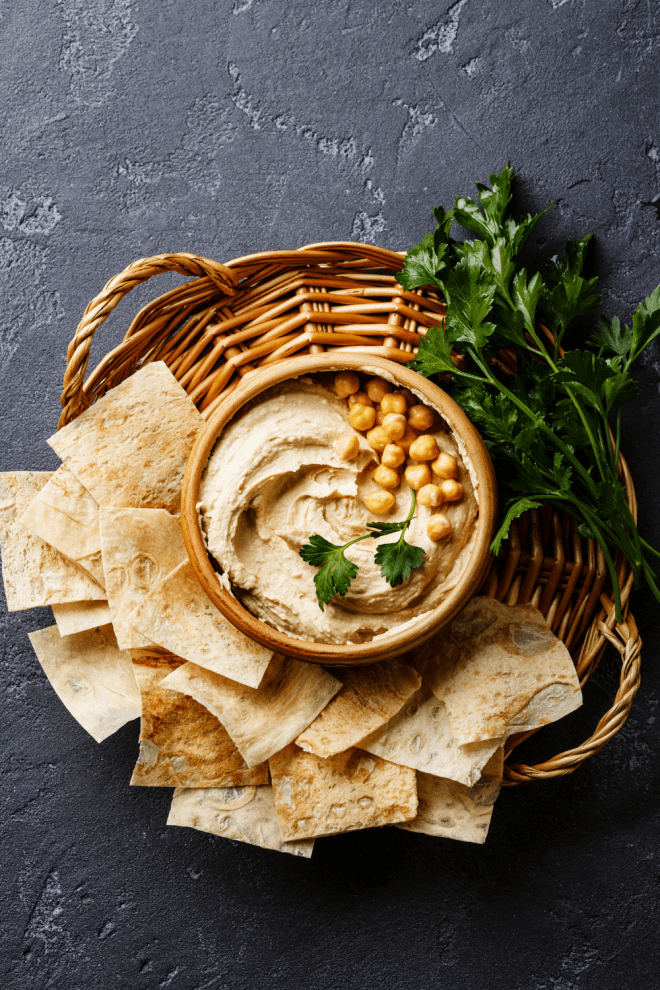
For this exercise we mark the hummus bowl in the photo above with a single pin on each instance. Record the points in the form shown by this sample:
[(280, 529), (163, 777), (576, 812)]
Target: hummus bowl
[(254, 520)]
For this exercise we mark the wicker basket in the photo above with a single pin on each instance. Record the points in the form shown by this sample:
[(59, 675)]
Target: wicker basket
[(257, 310)]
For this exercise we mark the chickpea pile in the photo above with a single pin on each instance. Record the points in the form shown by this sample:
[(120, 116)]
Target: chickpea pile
[(394, 424)]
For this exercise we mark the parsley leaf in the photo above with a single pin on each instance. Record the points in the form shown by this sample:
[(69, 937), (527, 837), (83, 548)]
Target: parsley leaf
[(515, 509), (434, 355), (398, 559), (470, 291), (336, 572), (423, 264), (611, 337)]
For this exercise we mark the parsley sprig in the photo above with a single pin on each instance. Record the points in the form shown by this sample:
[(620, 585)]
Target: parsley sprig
[(549, 424), (397, 560)]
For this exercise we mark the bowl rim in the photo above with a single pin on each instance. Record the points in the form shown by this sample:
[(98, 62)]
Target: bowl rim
[(387, 645)]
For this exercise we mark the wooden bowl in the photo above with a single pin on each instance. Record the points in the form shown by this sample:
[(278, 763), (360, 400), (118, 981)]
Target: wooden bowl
[(396, 641)]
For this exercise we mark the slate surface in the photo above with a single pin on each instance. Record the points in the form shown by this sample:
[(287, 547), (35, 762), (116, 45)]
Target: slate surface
[(133, 127)]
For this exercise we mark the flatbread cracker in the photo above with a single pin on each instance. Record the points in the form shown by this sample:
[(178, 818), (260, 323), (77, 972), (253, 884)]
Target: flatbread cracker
[(35, 573), (245, 814), (66, 516), (491, 662), (264, 720), (130, 448), (455, 811), (75, 617), (421, 736), (91, 676), (371, 696), (352, 790), (140, 546), (179, 615), (181, 743)]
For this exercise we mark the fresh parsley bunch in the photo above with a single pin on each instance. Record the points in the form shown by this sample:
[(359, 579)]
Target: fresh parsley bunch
[(550, 418), (396, 560)]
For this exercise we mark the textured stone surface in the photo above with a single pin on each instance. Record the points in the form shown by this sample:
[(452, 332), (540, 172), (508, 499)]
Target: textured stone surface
[(133, 127)]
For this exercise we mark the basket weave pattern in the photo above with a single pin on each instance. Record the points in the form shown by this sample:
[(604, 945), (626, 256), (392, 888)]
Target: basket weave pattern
[(230, 319)]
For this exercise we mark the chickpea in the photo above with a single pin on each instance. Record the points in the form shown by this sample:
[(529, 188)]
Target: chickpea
[(438, 527), (394, 402), (347, 446), (394, 425), (346, 383), (386, 476), (421, 417), (380, 416), (445, 466), (451, 490), (425, 448), (408, 396), (418, 475), (406, 440), (392, 456), (430, 495), (362, 417), (378, 439), (359, 398), (377, 388), (379, 502)]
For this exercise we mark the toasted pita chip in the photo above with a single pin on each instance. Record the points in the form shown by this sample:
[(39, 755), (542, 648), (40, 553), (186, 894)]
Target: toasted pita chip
[(245, 814), (66, 516), (491, 662), (130, 448), (420, 736), (455, 811), (91, 676), (75, 617), (140, 546), (264, 720), (181, 743), (179, 615), (35, 573), (370, 697), (315, 796)]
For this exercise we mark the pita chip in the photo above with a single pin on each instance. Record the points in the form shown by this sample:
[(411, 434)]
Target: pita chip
[(130, 448), (497, 668), (140, 546), (371, 696), (353, 790), (455, 811), (245, 814), (91, 676), (35, 573), (75, 617), (181, 743), (65, 515), (179, 616), (421, 736), (261, 720)]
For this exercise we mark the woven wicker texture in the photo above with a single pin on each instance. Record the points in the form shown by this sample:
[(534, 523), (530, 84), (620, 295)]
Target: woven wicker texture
[(260, 309)]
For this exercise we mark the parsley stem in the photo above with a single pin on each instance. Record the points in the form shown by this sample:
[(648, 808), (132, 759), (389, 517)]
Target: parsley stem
[(647, 546), (592, 440), (568, 454)]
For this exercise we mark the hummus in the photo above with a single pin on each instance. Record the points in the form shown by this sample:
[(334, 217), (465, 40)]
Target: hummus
[(274, 479)]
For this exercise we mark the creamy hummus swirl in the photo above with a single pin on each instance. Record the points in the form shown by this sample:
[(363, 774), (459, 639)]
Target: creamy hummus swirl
[(274, 479)]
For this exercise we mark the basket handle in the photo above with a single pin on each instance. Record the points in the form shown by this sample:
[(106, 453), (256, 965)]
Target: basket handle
[(111, 294)]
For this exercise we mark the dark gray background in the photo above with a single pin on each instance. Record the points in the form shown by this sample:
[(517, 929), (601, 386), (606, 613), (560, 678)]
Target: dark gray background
[(134, 127)]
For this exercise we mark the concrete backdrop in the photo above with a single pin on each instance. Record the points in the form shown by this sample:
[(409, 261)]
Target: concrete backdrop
[(134, 127)]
